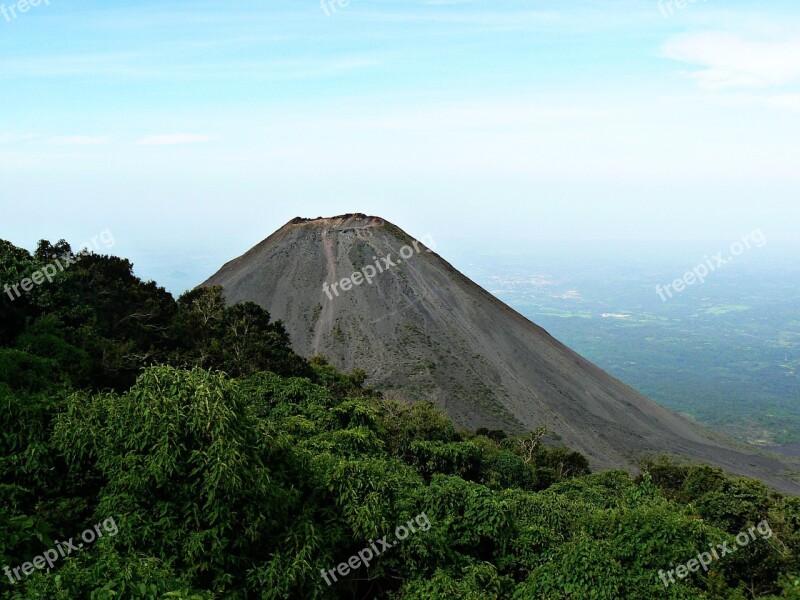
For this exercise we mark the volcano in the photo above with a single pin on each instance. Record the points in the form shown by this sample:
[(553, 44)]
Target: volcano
[(364, 294)]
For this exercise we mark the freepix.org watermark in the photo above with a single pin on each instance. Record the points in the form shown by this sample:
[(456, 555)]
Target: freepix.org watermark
[(330, 7), (717, 551), (13, 11), (59, 264), (711, 264), (667, 7), (62, 550), (370, 272), (366, 556)]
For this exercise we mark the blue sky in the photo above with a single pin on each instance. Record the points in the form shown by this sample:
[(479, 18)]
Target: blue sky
[(198, 128)]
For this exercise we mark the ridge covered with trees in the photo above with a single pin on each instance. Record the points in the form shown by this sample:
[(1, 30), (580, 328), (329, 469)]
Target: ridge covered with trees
[(235, 468)]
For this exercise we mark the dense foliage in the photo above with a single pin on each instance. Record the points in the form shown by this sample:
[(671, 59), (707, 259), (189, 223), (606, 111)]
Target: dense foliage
[(233, 468)]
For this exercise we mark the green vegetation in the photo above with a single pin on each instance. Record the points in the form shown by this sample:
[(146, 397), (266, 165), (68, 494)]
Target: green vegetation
[(236, 469)]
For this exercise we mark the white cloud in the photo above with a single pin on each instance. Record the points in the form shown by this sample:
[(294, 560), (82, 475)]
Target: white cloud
[(6, 138), (354, 63), (173, 139), (788, 101), (77, 140), (514, 114), (728, 61), (784, 101)]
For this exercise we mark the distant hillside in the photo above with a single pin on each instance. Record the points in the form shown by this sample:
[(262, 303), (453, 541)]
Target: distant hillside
[(422, 330)]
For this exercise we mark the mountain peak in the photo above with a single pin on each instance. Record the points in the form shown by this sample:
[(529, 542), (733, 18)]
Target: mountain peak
[(348, 219), (364, 294)]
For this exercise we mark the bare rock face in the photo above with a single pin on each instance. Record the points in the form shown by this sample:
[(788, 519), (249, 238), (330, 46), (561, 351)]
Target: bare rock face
[(422, 330)]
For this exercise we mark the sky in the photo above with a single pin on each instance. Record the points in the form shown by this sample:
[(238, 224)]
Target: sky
[(193, 130)]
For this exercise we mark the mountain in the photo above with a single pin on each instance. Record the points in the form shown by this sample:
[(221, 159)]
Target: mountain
[(423, 331)]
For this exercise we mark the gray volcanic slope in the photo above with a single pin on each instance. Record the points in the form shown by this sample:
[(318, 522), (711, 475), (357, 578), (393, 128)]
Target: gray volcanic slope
[(422, 330)]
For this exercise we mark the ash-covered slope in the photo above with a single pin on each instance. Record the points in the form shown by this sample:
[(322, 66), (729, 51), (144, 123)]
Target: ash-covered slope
[(422, 330)]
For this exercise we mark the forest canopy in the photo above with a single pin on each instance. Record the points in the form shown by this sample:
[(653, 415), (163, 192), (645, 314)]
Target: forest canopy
[(209, 460)]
